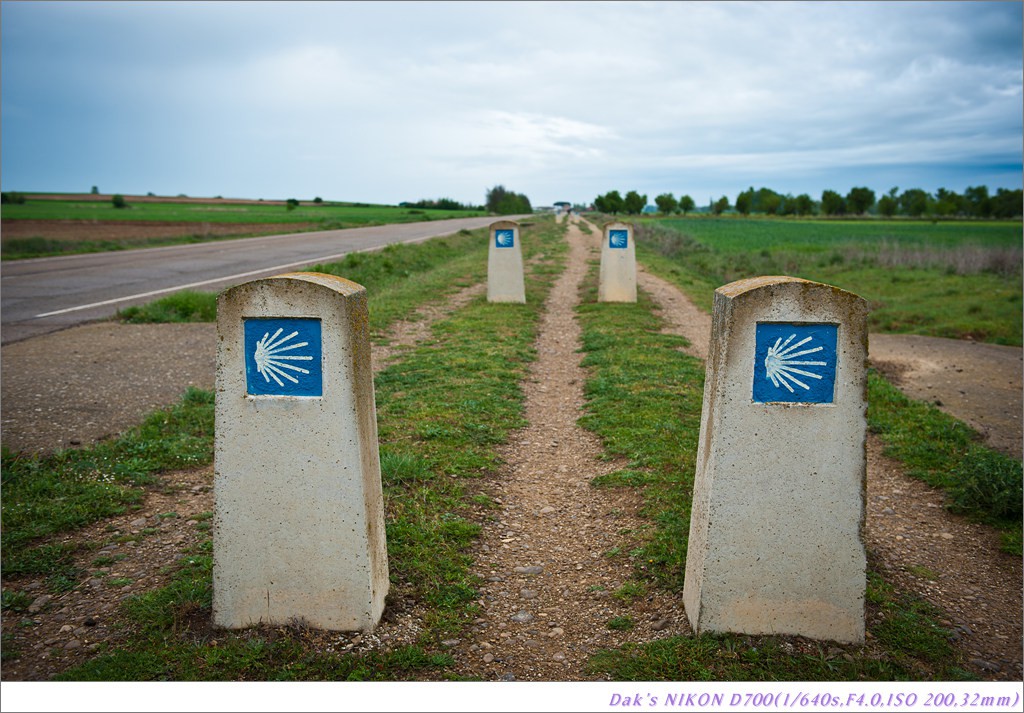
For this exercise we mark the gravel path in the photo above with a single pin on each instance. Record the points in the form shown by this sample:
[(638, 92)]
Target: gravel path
[(548, 593)]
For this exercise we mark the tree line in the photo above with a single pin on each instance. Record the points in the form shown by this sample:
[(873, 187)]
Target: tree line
[(975, 202), (505, 202)]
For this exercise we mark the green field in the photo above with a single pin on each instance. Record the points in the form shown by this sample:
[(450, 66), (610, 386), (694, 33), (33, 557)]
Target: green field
[(328, 213), (957, 279)]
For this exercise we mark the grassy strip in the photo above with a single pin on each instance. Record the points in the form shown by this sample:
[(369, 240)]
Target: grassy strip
[(44, 496), (36, 246), (436, 441), (644, 401), (397, 278), (981, 483)]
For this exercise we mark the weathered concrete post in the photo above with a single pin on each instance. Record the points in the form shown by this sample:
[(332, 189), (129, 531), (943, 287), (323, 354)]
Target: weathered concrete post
[(505, 264), (776, 531), (299, 527), (617, 280)]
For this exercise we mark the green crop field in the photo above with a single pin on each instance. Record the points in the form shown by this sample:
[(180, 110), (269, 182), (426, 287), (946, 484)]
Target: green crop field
[(958, 279), (328, 213)]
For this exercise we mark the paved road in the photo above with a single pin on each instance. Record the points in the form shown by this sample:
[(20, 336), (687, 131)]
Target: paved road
[(48, 294)]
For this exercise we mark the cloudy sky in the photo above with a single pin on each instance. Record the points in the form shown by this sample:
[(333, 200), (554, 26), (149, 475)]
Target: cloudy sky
[(388, 101)]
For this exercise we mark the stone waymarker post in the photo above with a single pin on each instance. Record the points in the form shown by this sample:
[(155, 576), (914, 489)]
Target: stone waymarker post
[(617, 281), (299, 531), (505, 264), (776, 531)]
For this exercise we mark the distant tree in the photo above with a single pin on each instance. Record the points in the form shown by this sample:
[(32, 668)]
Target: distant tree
[(948, 203), (803, 204), (771, 202), (860, 200), (915, 202), (667, 203), (95, 190), (686, 204), (745, 201), (1008, 203), (978, 201), (12, 197), (318, 199), (832, 203), (291, 203), (118, 200), (613, 202), (720, 206), (506, 202), (634, 203), (889, 204)]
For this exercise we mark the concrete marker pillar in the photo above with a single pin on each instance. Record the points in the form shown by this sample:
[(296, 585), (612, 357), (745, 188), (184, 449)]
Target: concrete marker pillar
[(299, 517), (505, 264), (617, 280), (776, 531)]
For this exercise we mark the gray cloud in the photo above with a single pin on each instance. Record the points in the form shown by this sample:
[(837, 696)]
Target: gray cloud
[(392, 101)]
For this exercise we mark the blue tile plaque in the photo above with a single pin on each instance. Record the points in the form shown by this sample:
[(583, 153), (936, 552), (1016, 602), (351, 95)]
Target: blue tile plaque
[(795, 362), (504, 238), (283, 357), (618, 239)]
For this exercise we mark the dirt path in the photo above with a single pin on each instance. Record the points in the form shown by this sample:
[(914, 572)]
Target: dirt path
[(550, 588), (550, 584)]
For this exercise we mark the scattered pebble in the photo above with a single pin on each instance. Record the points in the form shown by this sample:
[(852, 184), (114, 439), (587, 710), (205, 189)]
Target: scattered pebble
[(532, 569)]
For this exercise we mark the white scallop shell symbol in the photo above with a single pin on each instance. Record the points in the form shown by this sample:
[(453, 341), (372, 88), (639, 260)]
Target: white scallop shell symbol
[(618, 238), (781, 366), (271, 363), (504, 238)]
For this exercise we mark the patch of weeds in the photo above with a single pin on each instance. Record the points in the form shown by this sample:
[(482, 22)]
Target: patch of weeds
[(630, 591), (9, 650), (184, 306), (64, 580), (14, 600), (622, 479), (103, 561), (484, 501), (620, 623), (118, 582), (923, 572), (945, 453)]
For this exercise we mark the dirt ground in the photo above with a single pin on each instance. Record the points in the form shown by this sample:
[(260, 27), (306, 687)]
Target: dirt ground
[(547, 594)]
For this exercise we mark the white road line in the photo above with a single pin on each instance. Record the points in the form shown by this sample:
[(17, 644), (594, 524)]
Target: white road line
[(223, 279)]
